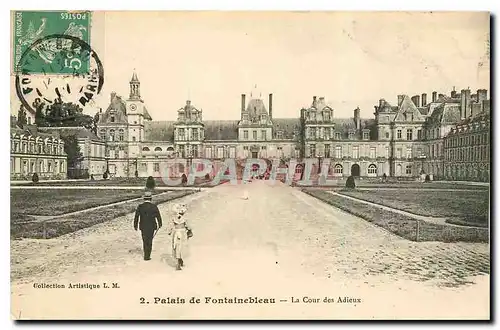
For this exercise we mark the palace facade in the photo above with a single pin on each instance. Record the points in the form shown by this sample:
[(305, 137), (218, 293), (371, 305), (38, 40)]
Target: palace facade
[(405, 139), (34, 151)]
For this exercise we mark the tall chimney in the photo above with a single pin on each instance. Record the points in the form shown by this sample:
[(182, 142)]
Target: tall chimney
[(314, 101), (270, 106), (417, 101), (243, 96), (424, 99), (400, 99), (113, 95), (453, 93), (464, 103), (434, 96), (482, 94), (357, 118)]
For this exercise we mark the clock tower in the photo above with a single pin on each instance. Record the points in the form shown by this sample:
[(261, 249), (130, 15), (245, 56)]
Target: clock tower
[(136, 113)]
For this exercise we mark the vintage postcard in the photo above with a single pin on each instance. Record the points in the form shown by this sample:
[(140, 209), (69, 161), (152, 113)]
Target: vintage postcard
[(212, 165)]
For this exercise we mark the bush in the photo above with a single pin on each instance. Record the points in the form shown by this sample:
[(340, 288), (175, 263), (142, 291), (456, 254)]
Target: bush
[(136, 173), (35, 178), (150, 183), (105, 175), (184, 179), (350, 183)]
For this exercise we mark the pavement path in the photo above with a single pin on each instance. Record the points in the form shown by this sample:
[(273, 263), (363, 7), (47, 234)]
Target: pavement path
[(277, 244)]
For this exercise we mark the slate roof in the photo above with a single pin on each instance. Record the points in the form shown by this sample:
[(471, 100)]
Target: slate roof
[(118, 107), (221, 129), (445, 113), (80, 132), (287, 125), (159, 130)]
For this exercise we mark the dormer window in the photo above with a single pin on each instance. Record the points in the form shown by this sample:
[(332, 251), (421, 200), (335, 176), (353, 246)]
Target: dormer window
[(326, 115), (366, 135), (312, 115), (262, 117), (351, 135), (112, 119), (245, 116), (337, 136)]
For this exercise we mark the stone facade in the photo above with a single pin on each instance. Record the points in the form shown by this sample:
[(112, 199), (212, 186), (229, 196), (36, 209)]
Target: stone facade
[(34, 151), (403, 140)]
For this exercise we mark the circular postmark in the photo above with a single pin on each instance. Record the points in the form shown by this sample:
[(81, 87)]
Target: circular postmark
[(58, 69)]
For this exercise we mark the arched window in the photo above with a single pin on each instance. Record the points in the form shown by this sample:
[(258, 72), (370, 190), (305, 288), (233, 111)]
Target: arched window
[(145, 149), (158, 149), (111, 135), (120, 134), (170, 149), (372, 169), (338, 169)]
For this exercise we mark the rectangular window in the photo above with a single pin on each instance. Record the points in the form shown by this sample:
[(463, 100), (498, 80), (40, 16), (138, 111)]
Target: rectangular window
[(408, 169), (409, 152), (398, 134), (327, 151), (338, 152), (254, 135), (366, 135), (245, 134), (156, 167), (312, 150), (387, 135), (409, 134), (355, 152), (373, 152), (398, 153), (232, 152), (181, 134), (195, 133), (312, 133), (326, 116), (220, 152), (279, 135), (182, 151), (386, 152), (208, 152), (263, 135)]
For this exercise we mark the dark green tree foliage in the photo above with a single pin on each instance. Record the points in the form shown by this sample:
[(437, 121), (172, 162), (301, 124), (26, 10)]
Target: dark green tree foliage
[(350, 183), (22, 120), (150, 183), (60, 114), (72, 149)]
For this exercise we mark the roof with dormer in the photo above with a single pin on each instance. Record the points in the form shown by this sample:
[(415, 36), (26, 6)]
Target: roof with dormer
[(408, 111)]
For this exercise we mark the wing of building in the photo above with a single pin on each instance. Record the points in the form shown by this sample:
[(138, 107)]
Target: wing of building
[(406, 138)]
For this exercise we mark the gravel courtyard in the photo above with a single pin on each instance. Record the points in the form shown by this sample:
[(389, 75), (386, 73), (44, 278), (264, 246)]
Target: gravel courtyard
[(279, 243)]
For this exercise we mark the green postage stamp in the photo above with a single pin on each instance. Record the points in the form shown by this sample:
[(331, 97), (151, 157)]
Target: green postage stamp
[(36, 38)]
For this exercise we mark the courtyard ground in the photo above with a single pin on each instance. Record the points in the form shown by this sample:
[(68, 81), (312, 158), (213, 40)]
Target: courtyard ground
[(279, 243), (455, 205)]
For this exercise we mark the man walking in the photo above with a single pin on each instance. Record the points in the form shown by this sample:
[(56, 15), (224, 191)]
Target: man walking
[(148, 214)]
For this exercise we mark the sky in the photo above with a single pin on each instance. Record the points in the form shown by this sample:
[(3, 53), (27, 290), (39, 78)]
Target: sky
[(351, 59)]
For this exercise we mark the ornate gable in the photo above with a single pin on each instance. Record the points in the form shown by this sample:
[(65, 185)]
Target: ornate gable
[(408, 111)]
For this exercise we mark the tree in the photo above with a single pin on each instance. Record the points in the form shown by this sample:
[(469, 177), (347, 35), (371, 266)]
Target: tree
[(150, 183), (22, 120), (350, 183), (72, 149)]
